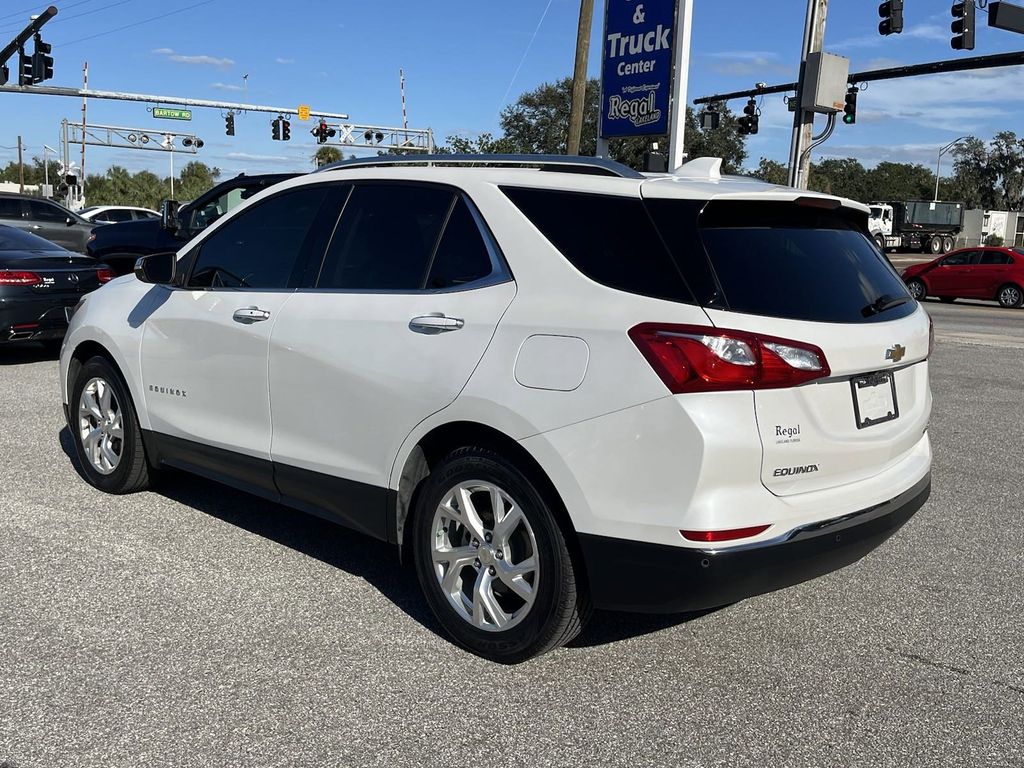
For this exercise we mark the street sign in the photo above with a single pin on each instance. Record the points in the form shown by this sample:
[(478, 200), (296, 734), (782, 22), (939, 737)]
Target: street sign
[(172, 114), (637, 67), (303, 111)]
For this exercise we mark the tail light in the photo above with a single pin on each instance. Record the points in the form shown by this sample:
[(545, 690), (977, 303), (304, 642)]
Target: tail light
[(104, 274), (691, 358), (17, 277)]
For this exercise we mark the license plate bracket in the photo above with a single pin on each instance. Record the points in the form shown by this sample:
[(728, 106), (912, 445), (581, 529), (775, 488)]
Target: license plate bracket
[(874, 398)]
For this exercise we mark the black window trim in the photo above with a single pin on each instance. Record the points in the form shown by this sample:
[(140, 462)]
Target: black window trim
[(500, 271)]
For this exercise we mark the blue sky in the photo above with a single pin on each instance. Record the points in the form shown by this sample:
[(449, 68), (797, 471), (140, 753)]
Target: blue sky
[(463, 61)]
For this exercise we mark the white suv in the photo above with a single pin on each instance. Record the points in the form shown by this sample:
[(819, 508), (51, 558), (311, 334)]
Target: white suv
[(556, 383)]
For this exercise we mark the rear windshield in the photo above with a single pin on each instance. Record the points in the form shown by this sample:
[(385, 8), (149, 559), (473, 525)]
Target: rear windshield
[(796, 262), (12, 239)]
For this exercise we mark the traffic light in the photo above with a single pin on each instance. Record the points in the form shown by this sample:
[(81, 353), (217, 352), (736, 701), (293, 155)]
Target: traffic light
[(286, 130), (850, 110), (275, 128), (891, 13), (320, 132), (748, 123), (963, 26), (42, 61), (229, 124), (24, 68)]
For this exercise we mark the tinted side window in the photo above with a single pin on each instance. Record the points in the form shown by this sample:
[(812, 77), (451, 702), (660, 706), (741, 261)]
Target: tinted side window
[(609, 239), (264, 246), (45, 212), (386, 237), (115, 216), (10, 208), (956, 259), (462, 254), (994, 257)]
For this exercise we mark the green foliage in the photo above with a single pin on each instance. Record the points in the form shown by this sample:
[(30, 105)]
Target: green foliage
[(990, 177), (771, 171), (120, 187), (326, 155), (994, 240), (538, 122), (35, 173)]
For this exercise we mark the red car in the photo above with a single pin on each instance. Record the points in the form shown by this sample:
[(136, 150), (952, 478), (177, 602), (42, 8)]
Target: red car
[(971, 273)]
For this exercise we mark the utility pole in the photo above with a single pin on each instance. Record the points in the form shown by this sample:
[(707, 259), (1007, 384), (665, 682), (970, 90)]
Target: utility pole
[(21, 169), (85, 101), (579, 76), (803, 120)]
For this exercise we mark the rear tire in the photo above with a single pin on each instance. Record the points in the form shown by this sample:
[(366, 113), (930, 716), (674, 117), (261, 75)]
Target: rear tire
[(947, 244), (917, 289), (1010, 296), (504, 592), (105, 428), (880, 242)]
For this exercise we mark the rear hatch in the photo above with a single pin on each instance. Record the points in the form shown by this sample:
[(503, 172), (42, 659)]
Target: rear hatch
[(804, 270)]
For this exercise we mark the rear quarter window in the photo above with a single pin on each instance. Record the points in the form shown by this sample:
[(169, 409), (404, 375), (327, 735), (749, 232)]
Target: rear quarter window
[(608, 238)]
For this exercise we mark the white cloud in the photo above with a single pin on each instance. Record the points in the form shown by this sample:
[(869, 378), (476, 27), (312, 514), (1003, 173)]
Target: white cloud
[(261, 158), (919, 31), (197, 59), (280, 60), (226, 87), (748, 63)]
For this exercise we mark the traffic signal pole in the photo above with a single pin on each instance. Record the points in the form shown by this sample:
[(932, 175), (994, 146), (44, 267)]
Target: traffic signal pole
[(803, 119), (53, 90)]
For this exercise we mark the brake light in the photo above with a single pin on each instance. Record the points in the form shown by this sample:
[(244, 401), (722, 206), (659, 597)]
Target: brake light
[(17, 277), (730, 534), (690, 358), (104, 274)]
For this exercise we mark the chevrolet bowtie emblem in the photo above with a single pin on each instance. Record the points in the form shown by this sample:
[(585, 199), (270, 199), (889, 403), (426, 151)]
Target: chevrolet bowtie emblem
[(895, 353)]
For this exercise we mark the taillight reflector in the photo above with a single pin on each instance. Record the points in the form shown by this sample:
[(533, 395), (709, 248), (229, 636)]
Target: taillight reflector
[(730, 534), (17, 277), (691, 358), (104, 274)]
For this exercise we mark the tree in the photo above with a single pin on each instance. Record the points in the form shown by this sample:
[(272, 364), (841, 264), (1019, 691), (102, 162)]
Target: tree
[(325, 155), (771, 171), (1006, 163), (973, 180), (484, 144), (900, 181), (846, 178), (539, 122)]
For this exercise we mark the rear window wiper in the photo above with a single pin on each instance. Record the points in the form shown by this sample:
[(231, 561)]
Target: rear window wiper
[(882, 303)]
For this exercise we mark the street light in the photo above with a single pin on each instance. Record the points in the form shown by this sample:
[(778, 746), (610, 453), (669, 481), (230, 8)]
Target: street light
[(938, 162)]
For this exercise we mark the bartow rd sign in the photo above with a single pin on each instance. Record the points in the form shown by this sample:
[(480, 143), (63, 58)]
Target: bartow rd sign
[(172, 114), (637, 67)]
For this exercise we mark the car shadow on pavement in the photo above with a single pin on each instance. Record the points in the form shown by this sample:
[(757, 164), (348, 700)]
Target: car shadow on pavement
[(374, 561), (22, 352)]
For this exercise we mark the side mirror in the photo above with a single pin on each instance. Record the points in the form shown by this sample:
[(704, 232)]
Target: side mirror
[(169, 215), (157, 268), (69, 221)]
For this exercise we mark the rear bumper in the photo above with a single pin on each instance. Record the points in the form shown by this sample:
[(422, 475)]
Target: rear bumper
[(35, 318), (655, 578)]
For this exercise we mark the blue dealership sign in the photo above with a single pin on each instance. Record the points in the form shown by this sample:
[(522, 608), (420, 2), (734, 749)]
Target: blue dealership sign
[(637, 67)]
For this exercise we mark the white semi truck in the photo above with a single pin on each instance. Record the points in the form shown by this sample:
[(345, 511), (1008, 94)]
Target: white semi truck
[(927, 226)]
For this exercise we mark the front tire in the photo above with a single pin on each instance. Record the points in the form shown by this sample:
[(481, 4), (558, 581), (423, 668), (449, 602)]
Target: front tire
[(917, 289), (935, 245), (492, 561), (105, 428), (1010, 296)]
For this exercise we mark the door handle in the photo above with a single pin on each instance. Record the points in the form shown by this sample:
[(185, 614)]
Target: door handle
[(250, 315), (435, 323)]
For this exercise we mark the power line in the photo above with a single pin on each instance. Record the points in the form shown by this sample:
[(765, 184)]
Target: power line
[(526, 53), (135, 24), (34, 7)]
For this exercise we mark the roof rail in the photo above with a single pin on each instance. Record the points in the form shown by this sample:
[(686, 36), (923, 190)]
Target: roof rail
[(565, 163)]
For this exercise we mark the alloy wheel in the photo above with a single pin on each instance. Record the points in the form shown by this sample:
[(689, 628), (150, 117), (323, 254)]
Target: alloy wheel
[(100, 427), (1010, 296), (485, 555)]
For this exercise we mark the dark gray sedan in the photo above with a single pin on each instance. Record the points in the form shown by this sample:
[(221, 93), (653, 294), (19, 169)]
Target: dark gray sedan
[(47, 219)]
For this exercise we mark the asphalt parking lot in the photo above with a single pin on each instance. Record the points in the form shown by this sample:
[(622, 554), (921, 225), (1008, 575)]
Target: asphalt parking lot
[(200, 626)]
